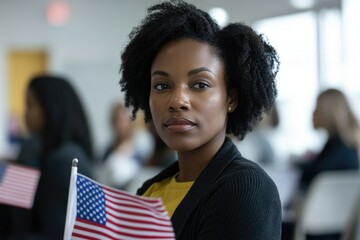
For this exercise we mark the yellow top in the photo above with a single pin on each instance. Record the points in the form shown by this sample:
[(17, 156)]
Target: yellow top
[(171, 192)]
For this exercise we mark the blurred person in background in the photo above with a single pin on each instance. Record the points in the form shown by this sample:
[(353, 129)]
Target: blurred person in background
[(29, 152), (126, 153), (159, 158), (333, 114), (162, 155), (56, 116)]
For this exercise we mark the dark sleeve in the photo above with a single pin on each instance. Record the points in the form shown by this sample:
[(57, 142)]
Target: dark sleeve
[(338, 158), (245, 206)]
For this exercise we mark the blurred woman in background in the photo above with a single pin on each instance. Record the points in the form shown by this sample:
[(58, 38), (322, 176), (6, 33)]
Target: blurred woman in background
[(127, 150), (334, 114), (55, 114)]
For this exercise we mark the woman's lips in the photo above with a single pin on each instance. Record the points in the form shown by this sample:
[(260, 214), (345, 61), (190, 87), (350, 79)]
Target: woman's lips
[(179, 124)]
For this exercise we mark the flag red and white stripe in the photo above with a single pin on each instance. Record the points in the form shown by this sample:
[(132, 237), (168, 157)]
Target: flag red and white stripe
[(106, 213), (18, 185)]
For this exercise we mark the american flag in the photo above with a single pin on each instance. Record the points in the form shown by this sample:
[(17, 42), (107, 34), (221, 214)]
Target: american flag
[(106, 213), (18, 185)]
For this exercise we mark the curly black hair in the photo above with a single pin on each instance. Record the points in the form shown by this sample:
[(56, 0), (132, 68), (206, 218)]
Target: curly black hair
[(251, 63)]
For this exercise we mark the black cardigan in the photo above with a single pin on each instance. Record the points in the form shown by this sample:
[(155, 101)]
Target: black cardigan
[(233, 198)]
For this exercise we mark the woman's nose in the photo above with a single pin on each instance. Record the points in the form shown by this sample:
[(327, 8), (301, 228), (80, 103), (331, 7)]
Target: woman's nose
[(179, 100)]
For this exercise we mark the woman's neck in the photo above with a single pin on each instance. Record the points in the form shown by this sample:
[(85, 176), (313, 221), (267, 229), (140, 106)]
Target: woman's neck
[(192, 163)]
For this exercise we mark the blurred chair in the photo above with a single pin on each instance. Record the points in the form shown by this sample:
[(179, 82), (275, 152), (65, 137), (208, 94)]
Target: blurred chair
[(329, 204), (352, 231), (286, 181)]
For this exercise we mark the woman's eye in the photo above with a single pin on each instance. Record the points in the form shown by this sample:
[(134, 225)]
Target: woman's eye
[(201, 85), (161, 86)]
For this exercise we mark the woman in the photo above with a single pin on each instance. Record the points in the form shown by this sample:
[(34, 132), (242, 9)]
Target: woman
[(197, 82), (123, 158), (333, 114), (55, 114)]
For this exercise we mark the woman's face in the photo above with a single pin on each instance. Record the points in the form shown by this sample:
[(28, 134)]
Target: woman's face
[(188, 98), (34, 115)]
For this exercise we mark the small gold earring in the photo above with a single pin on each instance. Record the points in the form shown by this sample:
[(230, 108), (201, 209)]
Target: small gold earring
[(229, 109)]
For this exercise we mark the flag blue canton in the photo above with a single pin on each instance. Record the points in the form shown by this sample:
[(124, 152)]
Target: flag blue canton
[(90, 201)]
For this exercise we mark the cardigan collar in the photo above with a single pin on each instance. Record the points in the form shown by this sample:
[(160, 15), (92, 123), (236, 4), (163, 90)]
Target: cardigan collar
[(226, 154)]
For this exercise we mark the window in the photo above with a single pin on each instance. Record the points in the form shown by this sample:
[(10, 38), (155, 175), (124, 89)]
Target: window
[(318, 50), (295, 39)]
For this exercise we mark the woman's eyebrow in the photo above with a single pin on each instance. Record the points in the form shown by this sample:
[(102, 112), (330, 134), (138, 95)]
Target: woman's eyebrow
[(191, 72), (198, 70), (161, 73)]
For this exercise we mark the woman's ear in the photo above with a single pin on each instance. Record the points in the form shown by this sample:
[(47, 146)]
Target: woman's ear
[(232, 100)]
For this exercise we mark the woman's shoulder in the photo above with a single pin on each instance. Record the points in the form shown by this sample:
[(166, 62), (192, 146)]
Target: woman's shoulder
[(244, 166), (245, 187), (236, 170), (245, 174)]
